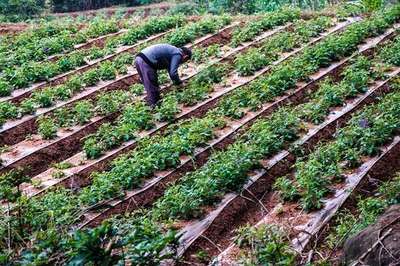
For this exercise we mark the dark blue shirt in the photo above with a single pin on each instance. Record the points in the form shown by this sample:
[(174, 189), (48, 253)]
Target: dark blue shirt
[(165, 56)]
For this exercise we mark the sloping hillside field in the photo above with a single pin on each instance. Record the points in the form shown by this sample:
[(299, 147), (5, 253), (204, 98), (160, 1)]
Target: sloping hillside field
[(282, 143)]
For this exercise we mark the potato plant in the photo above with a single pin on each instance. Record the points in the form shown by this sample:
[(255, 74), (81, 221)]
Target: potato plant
[(148, 28), (264, 245), (47, 128), (200, 55), (390, 54)]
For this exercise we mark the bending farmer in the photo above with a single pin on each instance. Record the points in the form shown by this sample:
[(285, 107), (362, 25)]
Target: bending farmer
[(156, 57)]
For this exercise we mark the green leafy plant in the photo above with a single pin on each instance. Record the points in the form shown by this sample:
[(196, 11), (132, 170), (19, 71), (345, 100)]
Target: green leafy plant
[(191, 31), (137, 89), (92, 148), (9, 185), (265, 22), (47, 128), (286, 188), (167, 109), (95, 246), (107, 71), (249, 62), (5, 88), (372, 5), (62, 165), (62, 93), (27, 106), (83, 112), (64, 117), (110, 102), (91, 77), (7, 111), (200, 55), (265, 245), (44, 97)]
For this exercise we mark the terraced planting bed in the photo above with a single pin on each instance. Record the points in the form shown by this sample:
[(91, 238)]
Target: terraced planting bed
[(254, 159)]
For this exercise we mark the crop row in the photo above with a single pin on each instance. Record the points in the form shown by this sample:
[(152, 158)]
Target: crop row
[(370, 208), (49, 96), (343, 44), (333, 172), (105, 71), (266, 22), (31, 72), (107, 104), (33, 34), (225, 171), (257, 58), (80, 116), (315, 175), (194, 92), (26, 49), (283, 219)]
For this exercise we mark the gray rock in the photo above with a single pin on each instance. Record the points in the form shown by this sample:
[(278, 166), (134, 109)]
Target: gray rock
[(389, 254)]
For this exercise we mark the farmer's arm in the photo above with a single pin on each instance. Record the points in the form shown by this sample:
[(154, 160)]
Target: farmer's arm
[(173, 70)]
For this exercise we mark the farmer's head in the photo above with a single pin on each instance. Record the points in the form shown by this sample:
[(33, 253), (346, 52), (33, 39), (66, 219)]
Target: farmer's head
[(187, 53)]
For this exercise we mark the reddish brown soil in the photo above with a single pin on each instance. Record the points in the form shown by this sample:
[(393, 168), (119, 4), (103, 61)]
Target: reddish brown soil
[(12, 28)]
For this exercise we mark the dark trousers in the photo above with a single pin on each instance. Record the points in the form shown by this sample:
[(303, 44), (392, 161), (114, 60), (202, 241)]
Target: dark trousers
[(149, 78)]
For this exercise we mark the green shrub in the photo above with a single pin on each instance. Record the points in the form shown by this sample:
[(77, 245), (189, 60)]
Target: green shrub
[(5, 88), (17, 10), (372, 5), (47, 128)]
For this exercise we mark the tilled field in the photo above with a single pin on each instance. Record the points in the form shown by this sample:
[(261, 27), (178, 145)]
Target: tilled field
[(280, 120)]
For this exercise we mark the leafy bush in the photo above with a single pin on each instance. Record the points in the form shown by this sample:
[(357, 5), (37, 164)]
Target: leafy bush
[(190, 32), (44, 98), (167, 109), (265, 245), (249, 62), (17, 10), (286, 188), (83, 112), (7, 111), (47, 128), (5, 88)]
